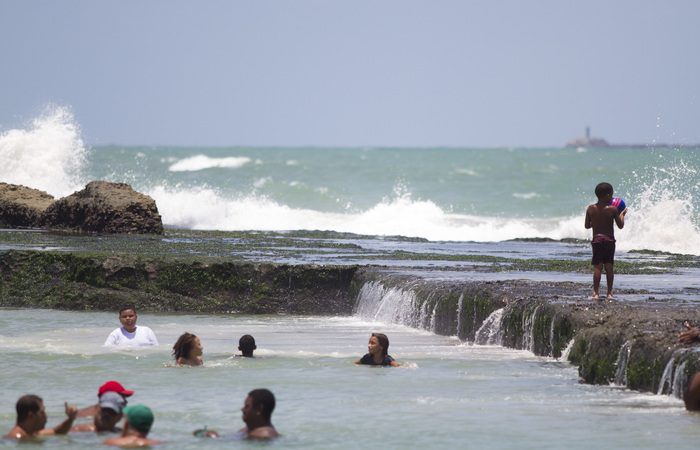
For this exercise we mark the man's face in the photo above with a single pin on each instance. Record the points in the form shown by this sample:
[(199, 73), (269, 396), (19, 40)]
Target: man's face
[(107, 419), (38, 419), (248, 410), (128, 319)]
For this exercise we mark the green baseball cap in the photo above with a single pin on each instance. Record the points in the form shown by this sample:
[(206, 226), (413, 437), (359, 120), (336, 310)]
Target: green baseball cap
[(139, 416)]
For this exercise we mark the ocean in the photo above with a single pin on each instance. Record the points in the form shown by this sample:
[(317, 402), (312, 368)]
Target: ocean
[(447, 394), (440, 194)]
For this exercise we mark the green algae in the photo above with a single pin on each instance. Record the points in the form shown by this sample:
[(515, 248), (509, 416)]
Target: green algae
[(64, 280)]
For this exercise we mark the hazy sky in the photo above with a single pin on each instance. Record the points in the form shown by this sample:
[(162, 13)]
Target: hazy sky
[(355, 73)]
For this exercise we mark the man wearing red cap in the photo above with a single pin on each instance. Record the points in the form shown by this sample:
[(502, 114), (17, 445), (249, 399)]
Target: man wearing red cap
[(111, 405), (110, 386)]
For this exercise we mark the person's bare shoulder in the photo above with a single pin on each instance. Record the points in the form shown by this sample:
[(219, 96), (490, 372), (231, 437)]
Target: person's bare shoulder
[(83, 427), (88, 411), (113, 441), (263, 433), (17, 433), (612, 209), (131, 441)]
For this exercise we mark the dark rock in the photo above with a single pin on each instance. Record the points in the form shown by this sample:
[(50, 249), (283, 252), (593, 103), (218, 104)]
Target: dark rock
[(22, 207), (106, 208), (72, 281)]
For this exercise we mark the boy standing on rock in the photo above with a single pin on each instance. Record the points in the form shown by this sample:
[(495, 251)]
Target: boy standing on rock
[(601, 216)]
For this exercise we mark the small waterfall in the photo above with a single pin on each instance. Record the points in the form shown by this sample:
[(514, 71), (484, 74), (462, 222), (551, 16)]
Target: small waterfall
[(679, 381), (551, 335), (565, 354), (424, 316), (459, 313), (668, 375), (490, 331), (528, 342), (392, 305), (622, 358), (673, 379), (433, 323)]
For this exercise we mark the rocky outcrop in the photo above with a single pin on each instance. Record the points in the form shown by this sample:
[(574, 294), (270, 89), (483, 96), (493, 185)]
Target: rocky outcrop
[(22, 207), (106, 208), (72, 281)]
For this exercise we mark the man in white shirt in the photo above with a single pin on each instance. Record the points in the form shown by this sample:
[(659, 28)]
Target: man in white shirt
[(129, 334)]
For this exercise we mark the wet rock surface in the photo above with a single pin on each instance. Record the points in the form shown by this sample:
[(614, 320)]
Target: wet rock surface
[(22, 207), (106, 208), (102, 207)]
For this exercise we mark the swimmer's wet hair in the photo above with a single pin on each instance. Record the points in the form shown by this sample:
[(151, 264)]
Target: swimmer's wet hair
[(246, 344), (184, 345), (26, 404), (263, 397), (603, 189), (126, 308)]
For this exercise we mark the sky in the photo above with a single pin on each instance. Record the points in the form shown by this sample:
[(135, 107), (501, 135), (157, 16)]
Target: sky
[(376, 73)]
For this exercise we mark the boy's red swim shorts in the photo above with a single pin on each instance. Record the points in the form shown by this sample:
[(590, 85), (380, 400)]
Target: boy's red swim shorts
[(603, 249)]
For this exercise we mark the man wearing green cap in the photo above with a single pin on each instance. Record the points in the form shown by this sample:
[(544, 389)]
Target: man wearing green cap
[(139, 419)]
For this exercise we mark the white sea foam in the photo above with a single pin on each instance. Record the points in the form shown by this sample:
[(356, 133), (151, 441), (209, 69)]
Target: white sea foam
[(204, 209), (663, 226), (48, 155), (526, 196), (470, 172), (201, 162)]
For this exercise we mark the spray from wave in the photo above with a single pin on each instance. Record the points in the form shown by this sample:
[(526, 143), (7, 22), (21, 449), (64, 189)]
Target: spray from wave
[(48, 155), (662, 214)]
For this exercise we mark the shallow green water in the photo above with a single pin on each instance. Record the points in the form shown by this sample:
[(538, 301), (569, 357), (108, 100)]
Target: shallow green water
[(447, 395)]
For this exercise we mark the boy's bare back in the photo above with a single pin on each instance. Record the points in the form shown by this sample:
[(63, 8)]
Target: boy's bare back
[(601, 216)]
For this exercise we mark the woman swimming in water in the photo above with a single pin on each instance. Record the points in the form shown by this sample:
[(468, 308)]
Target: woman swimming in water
[(188, 350), (378, 348)]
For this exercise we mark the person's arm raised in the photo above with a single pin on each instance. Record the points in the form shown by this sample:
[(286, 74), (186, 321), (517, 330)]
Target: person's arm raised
[(689, 336), (63, 427)]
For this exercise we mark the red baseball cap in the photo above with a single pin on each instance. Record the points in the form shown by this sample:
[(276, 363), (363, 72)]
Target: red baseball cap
[(113, 386)]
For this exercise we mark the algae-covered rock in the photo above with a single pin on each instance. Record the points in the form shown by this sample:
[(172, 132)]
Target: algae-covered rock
[(73, 281), (22, 207), (106, 208)]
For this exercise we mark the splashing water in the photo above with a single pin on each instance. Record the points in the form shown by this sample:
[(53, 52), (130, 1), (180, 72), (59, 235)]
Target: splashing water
[(663, 216), (49, 155)]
